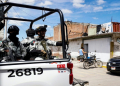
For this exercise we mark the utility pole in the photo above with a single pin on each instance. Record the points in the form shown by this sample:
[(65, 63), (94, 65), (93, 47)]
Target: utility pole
[(111, 19), (5, 23)]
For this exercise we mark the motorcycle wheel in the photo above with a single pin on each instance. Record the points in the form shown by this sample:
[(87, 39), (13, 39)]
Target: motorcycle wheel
[(99, 63), (86, 65)]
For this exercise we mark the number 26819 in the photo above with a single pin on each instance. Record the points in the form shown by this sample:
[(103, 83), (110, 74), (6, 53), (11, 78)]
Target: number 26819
[(26, 72)]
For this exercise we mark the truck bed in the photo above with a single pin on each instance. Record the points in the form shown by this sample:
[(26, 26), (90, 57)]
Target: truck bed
[(35, 73)]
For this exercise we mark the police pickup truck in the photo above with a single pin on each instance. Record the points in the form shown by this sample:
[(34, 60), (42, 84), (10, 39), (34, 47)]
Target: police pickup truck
[(55, 72)]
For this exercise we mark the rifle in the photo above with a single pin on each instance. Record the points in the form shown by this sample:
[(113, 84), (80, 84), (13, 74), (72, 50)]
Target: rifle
[(10, 53)]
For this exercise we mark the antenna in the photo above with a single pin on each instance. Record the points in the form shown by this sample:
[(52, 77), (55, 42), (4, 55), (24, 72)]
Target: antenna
[(111, 19)]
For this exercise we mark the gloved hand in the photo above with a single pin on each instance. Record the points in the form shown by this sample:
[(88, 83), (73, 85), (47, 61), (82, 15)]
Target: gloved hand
[(59, 43), (6, 50), (26, 44), (18, 57), (43, 53)]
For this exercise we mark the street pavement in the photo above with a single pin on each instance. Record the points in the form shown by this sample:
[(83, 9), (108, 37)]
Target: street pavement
[(95, 76)]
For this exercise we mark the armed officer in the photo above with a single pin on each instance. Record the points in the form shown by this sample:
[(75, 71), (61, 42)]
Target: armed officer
[(40, 47), (26, 42), (30, 37), (12, 46)]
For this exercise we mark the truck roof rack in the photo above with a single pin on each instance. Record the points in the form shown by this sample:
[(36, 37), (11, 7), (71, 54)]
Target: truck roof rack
[(50, 11)]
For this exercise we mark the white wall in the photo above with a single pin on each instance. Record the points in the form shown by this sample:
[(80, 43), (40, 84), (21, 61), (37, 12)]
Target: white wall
[(116, 49), (101, 46), (74, 47)]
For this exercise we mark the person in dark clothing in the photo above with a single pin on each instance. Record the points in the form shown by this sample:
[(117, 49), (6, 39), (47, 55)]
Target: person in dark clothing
[(13, 44)]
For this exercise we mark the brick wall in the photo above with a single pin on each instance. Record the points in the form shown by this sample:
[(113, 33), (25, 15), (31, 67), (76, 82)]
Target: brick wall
[(57, 33), (74, 30), (50, 38)]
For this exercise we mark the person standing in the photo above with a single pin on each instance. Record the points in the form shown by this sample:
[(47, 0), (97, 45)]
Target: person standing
[(82, 53)]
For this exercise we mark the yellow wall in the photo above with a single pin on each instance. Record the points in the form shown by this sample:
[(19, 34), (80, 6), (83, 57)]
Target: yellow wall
[(111, 49)]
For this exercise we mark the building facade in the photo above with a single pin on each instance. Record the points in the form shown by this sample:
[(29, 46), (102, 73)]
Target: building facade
[(102, 40)]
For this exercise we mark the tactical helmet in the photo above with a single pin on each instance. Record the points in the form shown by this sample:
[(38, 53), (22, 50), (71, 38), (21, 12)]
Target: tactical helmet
[(41, 28), (30, 32), (13, 28)]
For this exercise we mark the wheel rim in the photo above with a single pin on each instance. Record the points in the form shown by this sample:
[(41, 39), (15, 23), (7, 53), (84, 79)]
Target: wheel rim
[(99, 64), (86, 65)]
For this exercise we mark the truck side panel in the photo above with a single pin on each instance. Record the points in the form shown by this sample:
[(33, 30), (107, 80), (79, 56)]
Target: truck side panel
[(41, 74)]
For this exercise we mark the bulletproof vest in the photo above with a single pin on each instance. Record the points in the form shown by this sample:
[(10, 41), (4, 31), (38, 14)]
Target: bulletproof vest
[(43, 43)]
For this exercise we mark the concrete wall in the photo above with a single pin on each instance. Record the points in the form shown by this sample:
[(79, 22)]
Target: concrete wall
[(74, 46), (101, 47), (116, 49)]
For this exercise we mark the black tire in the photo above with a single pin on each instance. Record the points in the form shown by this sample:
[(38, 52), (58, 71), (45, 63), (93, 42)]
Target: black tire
[(86, 65), (112, 72), (99, 63)]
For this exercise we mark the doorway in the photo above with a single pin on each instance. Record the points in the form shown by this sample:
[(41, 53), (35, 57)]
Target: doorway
[(86, 49)]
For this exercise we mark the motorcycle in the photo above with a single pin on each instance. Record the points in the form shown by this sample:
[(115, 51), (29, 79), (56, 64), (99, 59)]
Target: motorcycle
[(89, 61)]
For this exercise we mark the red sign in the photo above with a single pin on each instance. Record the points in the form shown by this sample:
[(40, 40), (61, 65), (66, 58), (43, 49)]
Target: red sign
[(61, 66)]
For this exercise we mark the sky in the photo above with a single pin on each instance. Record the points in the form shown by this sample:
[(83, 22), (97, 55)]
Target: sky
[(81, 11)]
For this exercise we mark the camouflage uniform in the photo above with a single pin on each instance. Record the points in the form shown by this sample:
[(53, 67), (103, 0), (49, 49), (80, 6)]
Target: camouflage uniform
[(40, 47), (43, 44), (30, 37), (19, 51), (26, 42)]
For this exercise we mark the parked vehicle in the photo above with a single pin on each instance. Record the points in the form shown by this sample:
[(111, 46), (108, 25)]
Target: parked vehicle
[(52, 72), (92, 61), (113, 65)]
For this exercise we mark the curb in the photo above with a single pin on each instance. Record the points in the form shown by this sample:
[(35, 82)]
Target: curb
[(104, 66)]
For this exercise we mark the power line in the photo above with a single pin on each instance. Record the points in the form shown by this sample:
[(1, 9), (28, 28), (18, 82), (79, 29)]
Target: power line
[(34, 17), (26, 12), (19, 16), (31, 16)]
